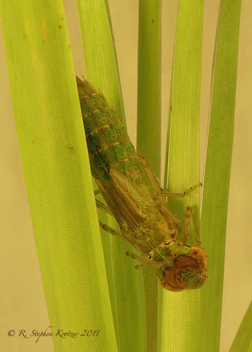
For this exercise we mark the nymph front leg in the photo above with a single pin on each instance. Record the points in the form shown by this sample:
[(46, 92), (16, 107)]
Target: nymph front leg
[(189, 214), (144, 261)]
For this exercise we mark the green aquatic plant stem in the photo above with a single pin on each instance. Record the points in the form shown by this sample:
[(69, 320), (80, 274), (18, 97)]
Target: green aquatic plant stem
[(218, 166), (126, 283), (181, 311), (149, 83), (149, 131), (55, 165)]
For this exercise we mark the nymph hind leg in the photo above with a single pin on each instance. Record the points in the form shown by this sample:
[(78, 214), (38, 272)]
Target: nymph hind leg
[(97, 191), (149, 172), (111, 231), (155, 184), (164, 193), (103, 207)]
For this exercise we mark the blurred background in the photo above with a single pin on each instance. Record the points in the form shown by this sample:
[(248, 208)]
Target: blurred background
[(23, 304)]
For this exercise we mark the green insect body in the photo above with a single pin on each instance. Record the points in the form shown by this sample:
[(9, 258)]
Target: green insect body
[(135, 198)]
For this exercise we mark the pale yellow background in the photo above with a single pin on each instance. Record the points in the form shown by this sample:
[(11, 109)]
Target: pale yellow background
[(23, 303)]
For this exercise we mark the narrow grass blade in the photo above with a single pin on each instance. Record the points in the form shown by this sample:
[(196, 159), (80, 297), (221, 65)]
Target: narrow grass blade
[(58, 181), (126, 283), (149, 82), (243, 338), (148, 130), (181, 311), (217, 172), (99, 51), (168, 135)]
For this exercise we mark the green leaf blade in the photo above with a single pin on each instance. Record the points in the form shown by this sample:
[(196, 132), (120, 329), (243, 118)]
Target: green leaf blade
[(55, 164), (101, 66), (149, 131), (126, 283), (243, 338), (218, 166), (181, 311)]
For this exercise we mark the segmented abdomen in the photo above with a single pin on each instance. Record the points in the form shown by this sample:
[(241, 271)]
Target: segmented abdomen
[(108, 143)]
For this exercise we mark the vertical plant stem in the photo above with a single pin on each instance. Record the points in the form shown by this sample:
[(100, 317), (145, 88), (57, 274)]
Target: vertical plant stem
[(218, 166), (149, 82), (181, 311), (126, 283), (148, 130)]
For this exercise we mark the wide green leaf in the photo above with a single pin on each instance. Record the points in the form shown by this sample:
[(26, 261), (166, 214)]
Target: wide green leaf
[(58, 181)]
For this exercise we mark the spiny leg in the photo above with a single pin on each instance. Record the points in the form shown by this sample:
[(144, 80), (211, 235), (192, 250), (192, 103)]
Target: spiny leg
[(155, 184), (103, 207), (111, 231), (189, 214), (168, 194), (140, 259), (150, 173)]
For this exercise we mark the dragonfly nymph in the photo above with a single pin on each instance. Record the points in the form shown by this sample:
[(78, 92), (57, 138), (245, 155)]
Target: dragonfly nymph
[(136, 200)]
